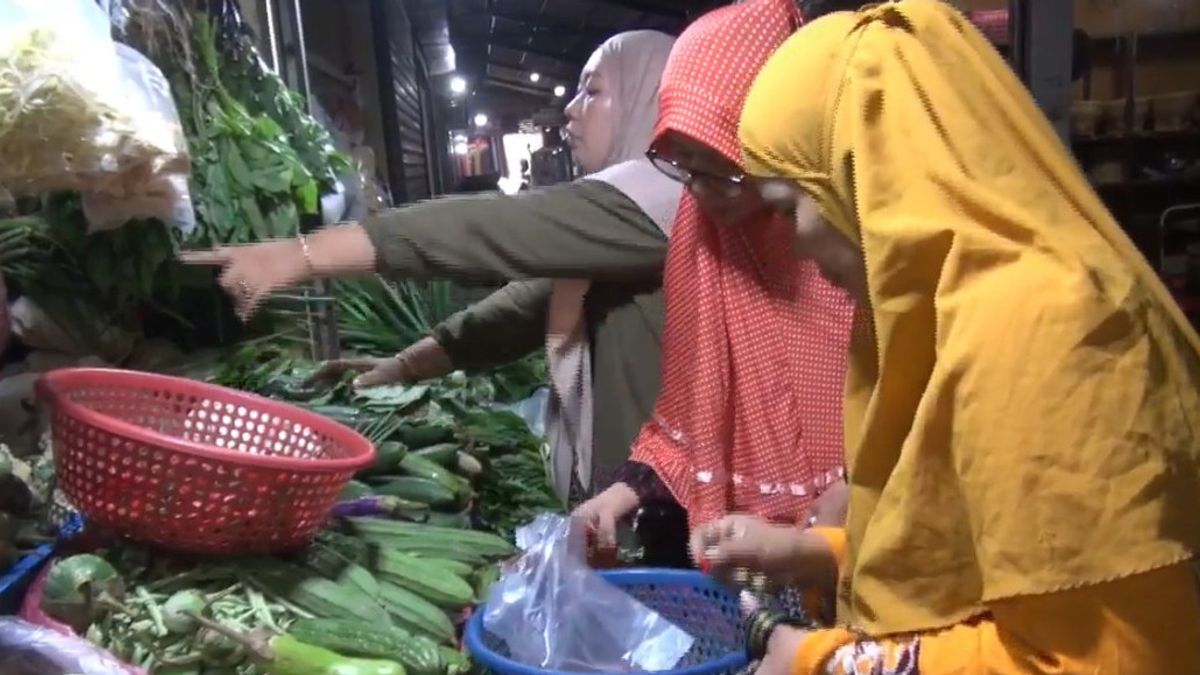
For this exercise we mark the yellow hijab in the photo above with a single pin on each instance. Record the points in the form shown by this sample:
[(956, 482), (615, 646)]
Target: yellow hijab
[(1022, 416)]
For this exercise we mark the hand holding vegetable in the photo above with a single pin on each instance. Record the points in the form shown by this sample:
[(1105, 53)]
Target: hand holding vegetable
[(250, 273)]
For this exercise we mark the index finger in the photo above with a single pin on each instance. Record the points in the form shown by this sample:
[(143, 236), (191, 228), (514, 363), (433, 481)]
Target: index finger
[(216, 257)]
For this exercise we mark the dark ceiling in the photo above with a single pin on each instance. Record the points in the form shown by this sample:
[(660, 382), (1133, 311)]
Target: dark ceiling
[(498, 44)]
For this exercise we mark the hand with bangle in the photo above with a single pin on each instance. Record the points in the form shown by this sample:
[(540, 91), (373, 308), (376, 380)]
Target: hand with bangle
[(250, 273), (773, 639)]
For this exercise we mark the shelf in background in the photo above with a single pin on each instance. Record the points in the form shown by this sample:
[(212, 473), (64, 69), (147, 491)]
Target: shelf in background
[(1143, 185), (1155, 36), (1182, 136)]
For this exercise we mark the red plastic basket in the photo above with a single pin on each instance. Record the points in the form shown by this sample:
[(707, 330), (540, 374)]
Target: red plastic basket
[(195, 467)]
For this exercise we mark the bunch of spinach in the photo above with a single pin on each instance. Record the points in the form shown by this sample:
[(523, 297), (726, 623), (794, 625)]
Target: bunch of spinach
[(248, 181)]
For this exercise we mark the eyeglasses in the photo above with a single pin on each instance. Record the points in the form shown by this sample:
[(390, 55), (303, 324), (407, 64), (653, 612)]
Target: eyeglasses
[(730, 185)]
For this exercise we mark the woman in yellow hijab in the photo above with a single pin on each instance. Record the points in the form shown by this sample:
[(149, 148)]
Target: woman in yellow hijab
[(1022, 406)]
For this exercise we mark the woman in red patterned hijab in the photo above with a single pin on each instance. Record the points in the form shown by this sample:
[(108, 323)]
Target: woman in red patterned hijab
[(749, 415)]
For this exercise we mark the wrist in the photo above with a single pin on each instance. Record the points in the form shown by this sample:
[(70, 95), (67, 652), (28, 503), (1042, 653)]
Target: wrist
[(624, 498), (806, 557)]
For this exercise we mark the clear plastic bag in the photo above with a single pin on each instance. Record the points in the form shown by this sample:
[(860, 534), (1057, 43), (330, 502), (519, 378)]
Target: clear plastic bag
[(26, 649), (156, 186), (532, 410), (78, 111), (555, 612)]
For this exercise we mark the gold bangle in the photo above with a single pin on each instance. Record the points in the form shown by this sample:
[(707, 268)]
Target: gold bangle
[(312, 269)]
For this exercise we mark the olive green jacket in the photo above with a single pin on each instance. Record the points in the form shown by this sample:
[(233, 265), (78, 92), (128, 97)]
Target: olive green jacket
[(586, 230)]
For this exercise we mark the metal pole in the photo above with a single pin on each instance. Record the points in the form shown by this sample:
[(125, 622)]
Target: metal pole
[(293, 68), (1042, 33)]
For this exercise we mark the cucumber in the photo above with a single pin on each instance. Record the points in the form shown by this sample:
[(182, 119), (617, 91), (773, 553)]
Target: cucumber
[(414, 489), (422, 436), (355, 490), (442, 453), (388, 456), (415, 465)]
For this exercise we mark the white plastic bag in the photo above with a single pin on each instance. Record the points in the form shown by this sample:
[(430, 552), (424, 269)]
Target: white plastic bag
[(555, 612), (77, 111), (26, 649)]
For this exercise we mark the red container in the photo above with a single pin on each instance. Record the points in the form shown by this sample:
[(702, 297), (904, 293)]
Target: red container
[(195, 467)]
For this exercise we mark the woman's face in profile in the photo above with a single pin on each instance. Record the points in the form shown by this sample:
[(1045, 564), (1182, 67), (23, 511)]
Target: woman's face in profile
[(839, 259), (590, 123), (715, 181)]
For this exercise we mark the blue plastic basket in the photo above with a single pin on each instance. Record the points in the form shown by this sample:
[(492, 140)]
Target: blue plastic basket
[(691, 600), (14, 582)]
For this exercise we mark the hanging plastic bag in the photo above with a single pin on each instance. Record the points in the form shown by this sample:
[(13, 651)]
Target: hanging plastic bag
[(157, 187), (26, 649), (77, 111), (555, 612)]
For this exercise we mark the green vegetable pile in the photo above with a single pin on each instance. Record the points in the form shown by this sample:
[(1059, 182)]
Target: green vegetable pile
[(259, 160), (376, 601), (25, 503), (445, 451)]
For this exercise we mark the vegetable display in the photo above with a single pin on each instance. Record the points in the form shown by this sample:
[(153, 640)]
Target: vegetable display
[(384, 588), (389, 609)]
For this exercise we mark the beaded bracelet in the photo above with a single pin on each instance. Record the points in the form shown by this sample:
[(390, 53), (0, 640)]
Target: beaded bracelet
[(306, 253)]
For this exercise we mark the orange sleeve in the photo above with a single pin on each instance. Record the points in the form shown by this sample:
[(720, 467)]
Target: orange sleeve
[(836, 538), (818, 602), (1146, 623)]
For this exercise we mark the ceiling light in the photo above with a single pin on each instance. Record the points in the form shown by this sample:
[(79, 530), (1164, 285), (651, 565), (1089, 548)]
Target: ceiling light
[(458, 85), (560, 91), (534, 77), (460, 148), (481, 120)]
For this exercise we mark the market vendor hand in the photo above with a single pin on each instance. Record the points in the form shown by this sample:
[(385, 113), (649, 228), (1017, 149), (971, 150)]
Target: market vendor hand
[(422, 360), (250, 273), (372, 371), (781, 554), (602, 513)]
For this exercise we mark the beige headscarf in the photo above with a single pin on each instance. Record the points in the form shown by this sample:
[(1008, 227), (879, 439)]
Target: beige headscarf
[(635, 61)]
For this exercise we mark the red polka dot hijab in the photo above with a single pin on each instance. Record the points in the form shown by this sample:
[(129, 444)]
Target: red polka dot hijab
[(749, 415)]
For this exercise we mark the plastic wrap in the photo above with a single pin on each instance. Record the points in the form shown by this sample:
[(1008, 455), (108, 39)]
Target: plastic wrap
[(26, 649), (77, 111), (555, 612), (531, 409)]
